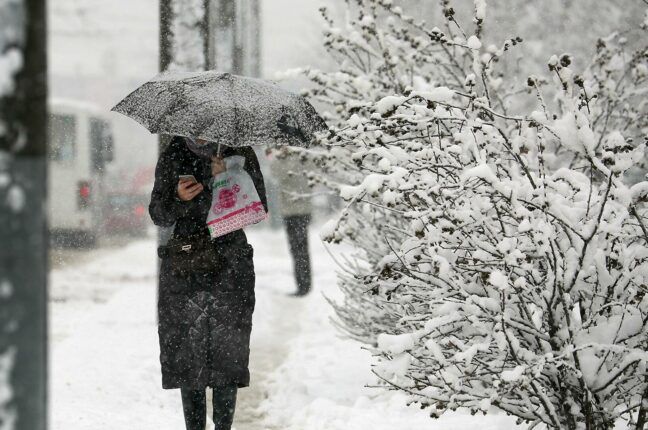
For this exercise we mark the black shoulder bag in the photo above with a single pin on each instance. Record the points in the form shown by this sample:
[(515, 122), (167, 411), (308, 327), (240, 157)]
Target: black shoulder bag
[(190, 254)]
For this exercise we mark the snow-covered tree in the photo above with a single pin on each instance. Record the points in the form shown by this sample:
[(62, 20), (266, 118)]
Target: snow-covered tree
[(501, 254)]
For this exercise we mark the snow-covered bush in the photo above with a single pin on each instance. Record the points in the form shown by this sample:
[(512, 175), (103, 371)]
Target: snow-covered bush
[(502, 256)]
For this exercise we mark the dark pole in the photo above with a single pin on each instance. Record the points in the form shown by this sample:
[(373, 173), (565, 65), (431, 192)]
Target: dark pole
[(166, 57), (235, 21), (166, 53), (205, 32), (23, 232), (256, 29), (166, 47), (166, 17)]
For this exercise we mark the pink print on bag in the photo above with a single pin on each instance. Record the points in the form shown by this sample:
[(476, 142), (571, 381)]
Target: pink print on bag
[(226, 199)]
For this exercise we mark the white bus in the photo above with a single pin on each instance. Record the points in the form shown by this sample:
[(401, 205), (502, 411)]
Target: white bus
[(80, 145)]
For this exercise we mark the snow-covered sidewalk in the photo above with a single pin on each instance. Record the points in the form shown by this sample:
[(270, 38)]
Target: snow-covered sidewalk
[(320, 384), (104, 365)]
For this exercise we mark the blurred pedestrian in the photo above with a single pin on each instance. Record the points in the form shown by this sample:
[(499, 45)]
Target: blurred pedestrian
[(296, 211), (204, 316)]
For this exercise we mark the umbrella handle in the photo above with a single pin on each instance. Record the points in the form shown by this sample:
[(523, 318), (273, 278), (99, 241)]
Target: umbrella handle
[(218, 150)]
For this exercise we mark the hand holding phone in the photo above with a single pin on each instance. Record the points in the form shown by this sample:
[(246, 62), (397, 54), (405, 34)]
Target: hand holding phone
[(187, 178), (188, 187)]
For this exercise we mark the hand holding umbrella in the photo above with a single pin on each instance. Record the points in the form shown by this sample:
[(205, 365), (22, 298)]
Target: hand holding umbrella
[(217, 165)]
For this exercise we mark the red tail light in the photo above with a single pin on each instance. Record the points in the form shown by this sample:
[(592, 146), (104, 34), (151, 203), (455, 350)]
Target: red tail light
[(140, 210), (83, 196)]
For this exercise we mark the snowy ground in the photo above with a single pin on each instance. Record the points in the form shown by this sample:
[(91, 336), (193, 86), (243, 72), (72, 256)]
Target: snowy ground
[(104, 366)]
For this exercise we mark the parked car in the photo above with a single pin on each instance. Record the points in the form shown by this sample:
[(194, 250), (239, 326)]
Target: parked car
[(126, 213)]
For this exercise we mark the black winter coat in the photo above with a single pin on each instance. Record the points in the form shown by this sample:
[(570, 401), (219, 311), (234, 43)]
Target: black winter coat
[(204, 320)]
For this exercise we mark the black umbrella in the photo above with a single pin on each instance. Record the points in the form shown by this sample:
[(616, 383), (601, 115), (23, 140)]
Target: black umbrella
[(222, 108)]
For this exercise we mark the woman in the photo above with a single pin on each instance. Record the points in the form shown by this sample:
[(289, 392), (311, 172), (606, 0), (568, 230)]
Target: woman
[(204, 319)]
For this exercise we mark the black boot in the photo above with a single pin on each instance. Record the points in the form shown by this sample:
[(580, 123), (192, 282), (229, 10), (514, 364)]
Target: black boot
[(224, 403), (194, 406)]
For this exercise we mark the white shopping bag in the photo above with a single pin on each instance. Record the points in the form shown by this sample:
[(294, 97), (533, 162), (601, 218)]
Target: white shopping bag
[(235, 201)]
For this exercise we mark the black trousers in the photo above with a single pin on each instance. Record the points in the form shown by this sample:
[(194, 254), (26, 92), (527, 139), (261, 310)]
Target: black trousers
[(194, 405), (297, 230)]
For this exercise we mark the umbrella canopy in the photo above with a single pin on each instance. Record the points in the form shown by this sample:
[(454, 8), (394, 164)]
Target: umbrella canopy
[(222, 108)]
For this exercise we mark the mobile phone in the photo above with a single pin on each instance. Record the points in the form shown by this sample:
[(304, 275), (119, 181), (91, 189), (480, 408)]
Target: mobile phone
[(187, 178)]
